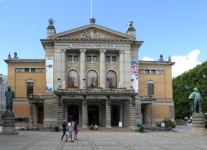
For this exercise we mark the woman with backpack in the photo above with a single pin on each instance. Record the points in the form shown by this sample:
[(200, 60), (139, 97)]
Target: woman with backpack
[(76, 128)]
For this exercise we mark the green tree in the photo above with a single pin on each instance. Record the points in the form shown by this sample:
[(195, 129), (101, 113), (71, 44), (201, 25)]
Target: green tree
[(184, 84)]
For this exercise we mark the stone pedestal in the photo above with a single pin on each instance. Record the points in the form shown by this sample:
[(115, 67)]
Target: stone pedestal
[(198, 125), (8, 124)]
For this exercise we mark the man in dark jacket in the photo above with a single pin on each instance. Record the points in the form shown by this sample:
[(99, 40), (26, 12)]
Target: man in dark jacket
[(64, 125)]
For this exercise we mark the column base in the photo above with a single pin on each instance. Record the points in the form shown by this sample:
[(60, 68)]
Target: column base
[(84, 126), (108, 126)]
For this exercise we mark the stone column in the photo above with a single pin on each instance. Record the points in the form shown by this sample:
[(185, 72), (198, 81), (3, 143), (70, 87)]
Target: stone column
[(127, 69), (35, 114), (63, 62), (31, 114), (82, 68), (84, 115), (132, 114), (153, 113), (108, 114), (121, 68), (102, 69), (138, 111), (146, 114)]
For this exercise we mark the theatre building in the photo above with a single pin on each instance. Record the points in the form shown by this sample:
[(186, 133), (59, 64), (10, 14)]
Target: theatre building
[(91, 74)]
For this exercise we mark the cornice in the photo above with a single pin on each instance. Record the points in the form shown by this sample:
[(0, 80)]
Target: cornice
[(155, 63), (25, 61)]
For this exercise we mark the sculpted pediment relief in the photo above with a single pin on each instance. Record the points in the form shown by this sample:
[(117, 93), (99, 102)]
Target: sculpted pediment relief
[(92, 31)]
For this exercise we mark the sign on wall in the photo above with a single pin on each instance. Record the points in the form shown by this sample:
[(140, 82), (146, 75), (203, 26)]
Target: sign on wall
[(49, 74), (134, 67)]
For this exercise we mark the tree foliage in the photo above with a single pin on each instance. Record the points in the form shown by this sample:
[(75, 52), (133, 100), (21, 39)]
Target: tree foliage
[(183, 86)]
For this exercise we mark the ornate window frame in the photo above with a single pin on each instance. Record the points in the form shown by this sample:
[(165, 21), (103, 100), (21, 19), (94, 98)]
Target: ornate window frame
[(73, 70), (92, 70), (30, 80), (150, 81)]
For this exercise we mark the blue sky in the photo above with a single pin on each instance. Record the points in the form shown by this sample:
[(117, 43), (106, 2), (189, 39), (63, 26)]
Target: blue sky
[(170, 27)]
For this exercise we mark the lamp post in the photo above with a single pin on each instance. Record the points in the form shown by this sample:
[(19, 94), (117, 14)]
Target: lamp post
[(84, 87), (132, 83), (59, 87), (107, 83)]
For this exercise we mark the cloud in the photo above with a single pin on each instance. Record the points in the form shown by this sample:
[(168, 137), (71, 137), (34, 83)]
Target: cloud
[(148, 59), (184, 63)]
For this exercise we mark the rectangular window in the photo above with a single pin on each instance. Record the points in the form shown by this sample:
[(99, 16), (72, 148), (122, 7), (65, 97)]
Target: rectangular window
[(33, 70), (26, 69), (94, 58), (150, 89), (146, 71), (88, 58), (75, 58), (29, 88), (107, 58), (152, 71), (114, 58), (69, 58)]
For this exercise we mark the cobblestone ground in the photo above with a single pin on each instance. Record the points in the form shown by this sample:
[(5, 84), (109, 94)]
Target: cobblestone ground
[(27, 140)]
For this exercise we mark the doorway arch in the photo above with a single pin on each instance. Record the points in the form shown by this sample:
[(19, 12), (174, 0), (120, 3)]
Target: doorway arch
[(93, 114)]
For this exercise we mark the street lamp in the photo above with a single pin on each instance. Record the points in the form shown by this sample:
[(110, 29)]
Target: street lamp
[(132, 83), (59, 87), (107, 83), (84, 87)]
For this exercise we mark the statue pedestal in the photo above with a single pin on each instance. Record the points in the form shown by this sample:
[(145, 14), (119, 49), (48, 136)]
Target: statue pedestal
[(8, 124), (198, 125)]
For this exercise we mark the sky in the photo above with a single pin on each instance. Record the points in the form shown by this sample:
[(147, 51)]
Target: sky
[(175, 28)]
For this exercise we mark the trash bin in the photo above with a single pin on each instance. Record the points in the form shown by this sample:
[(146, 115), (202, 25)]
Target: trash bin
[(57, 128), (141, 129)]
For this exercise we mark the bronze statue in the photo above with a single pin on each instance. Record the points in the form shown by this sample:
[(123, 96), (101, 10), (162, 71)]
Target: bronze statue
[(9, 99), (130, 24), (196, 100), (51, 22)]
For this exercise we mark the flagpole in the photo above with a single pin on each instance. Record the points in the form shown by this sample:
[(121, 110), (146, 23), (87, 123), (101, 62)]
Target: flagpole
[(91, 9)]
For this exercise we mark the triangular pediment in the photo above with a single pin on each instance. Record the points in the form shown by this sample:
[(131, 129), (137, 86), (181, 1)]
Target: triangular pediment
[(92, 31)]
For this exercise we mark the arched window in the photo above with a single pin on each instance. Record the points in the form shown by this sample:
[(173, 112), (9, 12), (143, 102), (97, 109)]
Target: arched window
[(72, 79), (92, 79), (112, 82)]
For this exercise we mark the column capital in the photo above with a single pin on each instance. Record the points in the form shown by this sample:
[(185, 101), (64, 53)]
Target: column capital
[(63, 50), (121, 52), (82, 50), (102, 50)]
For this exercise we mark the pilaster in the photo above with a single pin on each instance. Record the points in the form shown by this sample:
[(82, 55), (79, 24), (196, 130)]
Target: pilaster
[(35, 114), (63, 69), (31, 114), (108, 115), (153, 113), (82, 68), (84, 115), (138, 111), (132, 114), (121, 68), (102, 68)]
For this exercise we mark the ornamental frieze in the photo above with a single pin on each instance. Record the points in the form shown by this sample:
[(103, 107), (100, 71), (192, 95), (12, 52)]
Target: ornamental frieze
[(92, 33)]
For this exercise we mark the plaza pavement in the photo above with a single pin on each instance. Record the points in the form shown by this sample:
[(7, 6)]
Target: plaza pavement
[(91, 140)]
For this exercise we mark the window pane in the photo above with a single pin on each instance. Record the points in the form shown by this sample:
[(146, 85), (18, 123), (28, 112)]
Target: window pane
[(92, 79), (95, 58), (29, 88), (73, 79), (112, 82), (69, 58), (150, 91), (88, 58), (146, 71), (114, 58), (153, 71), (76, 58), (107, 58), (33, 70), (26, 69)]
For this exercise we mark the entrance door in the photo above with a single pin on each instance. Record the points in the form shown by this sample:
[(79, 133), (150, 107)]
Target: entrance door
[(114, 115), (73, 113), (40, 114), (93, 115), (143, 115)]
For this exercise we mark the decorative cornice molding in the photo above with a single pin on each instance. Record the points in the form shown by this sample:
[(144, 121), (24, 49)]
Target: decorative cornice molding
[(25, 61), (156, 63)]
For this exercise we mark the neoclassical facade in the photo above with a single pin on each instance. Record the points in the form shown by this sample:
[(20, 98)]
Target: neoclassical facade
[(91, 74)]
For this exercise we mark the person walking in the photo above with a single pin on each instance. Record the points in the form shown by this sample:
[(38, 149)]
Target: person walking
[(189, 121), (76, 130), (70, 132), (64, 125)]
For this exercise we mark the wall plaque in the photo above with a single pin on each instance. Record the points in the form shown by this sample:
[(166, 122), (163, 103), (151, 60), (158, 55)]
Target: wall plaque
[(93, 45)]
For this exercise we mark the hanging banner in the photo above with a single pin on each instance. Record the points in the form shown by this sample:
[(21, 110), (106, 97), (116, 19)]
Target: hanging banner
[(134, 67), (49, 74)]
